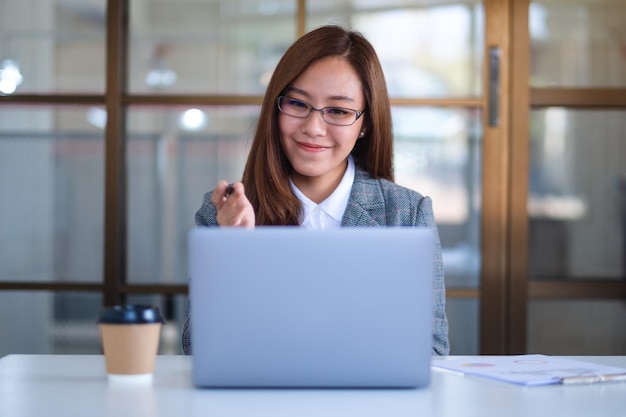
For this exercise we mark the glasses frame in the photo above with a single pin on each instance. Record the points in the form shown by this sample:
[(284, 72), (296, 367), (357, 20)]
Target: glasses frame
[(322, 111)]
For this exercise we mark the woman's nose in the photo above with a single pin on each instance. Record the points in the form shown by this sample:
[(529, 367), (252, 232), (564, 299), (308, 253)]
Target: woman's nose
[(314, 124)]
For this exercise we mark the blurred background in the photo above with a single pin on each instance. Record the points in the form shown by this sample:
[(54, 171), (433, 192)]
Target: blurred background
[(117, 116)]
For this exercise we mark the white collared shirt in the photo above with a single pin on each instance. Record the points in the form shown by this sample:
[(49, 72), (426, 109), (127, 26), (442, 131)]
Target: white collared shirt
[(327, 214)]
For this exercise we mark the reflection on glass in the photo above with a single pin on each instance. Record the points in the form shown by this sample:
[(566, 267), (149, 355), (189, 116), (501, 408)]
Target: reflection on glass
[(207, 47), (577, 201), (51, 177), (60, 48), (578, 43), (427, 49), (438, 153)]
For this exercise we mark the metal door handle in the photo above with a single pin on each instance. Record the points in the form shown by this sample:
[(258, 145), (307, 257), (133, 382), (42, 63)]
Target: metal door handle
[(494, 86)]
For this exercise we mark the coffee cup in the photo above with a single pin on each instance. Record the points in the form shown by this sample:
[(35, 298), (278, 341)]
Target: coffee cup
[(130, 341)]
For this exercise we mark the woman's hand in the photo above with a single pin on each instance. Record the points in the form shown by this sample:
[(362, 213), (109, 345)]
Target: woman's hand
[(233, 207)]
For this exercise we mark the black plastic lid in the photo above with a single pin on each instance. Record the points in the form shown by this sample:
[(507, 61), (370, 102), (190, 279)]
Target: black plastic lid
[(131, 314)]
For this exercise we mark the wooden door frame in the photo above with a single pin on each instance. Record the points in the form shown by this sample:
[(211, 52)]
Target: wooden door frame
[(505, 181)]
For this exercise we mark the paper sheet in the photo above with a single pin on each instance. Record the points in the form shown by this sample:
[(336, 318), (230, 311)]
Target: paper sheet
[(532, 369)]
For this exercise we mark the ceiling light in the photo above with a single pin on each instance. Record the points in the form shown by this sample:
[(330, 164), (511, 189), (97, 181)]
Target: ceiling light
[(10, 76), (160, 78), (193, 119), (97, 117)]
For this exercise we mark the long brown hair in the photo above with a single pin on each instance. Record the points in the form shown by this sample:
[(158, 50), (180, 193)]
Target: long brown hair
[(267, 170)]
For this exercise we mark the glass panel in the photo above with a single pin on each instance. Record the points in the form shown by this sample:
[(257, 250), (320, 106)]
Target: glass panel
[(51, 177), (60, 48), (438, 153), (172, 162), (578, 43), (427, 49), (42, 322), (212, 46), (464, 319), (575, 327), (577, 201)]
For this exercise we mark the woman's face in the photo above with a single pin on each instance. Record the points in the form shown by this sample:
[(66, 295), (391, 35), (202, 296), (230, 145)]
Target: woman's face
[(317, 150)]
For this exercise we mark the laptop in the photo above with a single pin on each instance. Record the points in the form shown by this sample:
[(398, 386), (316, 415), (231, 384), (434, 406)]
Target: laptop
[(291, 307)]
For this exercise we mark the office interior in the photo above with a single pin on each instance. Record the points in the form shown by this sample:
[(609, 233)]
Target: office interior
[(116, 116)]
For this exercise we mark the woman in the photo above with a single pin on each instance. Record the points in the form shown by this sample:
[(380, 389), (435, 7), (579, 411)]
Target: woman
[(322, 154)]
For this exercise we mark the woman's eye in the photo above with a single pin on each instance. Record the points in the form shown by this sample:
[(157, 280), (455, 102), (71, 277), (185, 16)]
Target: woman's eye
[(298, 104), (336, 111)]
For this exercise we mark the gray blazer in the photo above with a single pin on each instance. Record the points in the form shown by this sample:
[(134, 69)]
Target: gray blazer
[(372, 203)]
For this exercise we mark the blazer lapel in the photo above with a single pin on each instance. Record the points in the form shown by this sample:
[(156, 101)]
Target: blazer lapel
[(365, 198)]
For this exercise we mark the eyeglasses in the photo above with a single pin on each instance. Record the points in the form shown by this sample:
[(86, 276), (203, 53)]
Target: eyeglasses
[(339, 116)]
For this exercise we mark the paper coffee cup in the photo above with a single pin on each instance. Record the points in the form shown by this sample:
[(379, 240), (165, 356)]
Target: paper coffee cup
[(130, 341)]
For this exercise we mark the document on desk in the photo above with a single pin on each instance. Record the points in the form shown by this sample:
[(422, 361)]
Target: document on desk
[(533, 370)]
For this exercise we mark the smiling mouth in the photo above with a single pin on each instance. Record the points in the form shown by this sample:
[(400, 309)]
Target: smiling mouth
[(311, 147)]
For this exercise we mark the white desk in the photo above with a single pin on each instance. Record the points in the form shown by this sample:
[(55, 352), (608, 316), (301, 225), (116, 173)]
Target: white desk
[(76, 385)]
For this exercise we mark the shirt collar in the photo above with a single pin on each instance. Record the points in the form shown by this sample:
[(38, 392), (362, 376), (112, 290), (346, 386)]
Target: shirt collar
[(335, 204)]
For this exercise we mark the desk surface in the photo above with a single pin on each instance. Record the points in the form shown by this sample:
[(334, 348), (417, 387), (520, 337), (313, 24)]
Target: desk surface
[(76, 385)]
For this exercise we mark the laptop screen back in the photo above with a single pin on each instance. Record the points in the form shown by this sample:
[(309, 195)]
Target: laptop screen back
[(290, 307)]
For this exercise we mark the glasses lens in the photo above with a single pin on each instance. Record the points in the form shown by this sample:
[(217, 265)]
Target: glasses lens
[(339, 116), (293, 107)]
